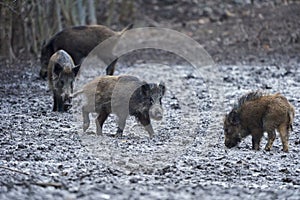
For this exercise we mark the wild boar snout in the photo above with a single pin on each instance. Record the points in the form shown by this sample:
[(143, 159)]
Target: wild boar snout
[(231, 142), (156, 112)]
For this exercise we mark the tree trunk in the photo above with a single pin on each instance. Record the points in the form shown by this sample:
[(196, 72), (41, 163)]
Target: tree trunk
[(110, 12), (58, 15), (91, 12), (6, 50), (81, 12)]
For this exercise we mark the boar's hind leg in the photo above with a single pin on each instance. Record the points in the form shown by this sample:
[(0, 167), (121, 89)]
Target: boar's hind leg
[(145, 121), (271, 138), (256, 138), (86, 119), (100, 121), (284, 135)]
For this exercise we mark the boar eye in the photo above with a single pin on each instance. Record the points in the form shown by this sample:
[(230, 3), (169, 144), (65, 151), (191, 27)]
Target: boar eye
[(60, 83)]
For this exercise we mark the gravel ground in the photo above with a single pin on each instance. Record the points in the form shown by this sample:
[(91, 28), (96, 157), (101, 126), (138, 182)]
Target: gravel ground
[(45, 155)]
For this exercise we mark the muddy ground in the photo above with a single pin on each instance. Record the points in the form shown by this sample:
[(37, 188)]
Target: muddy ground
[(45, 155)]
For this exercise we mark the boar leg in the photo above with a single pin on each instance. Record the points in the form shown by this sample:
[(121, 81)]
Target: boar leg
[(86, 119), (145, 121), (256, 138), (100, 121), (150, 130), (54, 103), (121, 125), (284, 135), (271, 138), (111, 68), (59, 103)]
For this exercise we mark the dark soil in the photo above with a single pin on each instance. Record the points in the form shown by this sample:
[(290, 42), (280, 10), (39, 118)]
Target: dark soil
[(45, 155)]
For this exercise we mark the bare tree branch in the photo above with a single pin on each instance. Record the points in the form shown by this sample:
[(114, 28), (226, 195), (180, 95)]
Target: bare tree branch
[(14, 170)]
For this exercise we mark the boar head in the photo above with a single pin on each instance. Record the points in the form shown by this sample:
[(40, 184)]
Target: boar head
[(157, 91), (232, 129), (147, 100), (63, 79)]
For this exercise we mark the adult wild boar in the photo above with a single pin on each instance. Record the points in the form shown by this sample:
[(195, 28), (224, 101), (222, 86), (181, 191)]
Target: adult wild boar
[(78, 41), (61, 75), (256, 113), (122, 95)]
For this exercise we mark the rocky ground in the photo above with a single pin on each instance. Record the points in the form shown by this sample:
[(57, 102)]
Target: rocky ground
[(45, 155)]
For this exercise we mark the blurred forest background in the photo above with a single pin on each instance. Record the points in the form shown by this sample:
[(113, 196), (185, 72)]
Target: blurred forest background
[(228, 30), (26, 25)]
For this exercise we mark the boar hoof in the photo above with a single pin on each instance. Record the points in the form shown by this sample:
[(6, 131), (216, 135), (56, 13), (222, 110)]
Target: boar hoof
[(286, 150), (85, 126), (255, 148), (119, 132), (99, 133), (117, 135), (267, 148), (151, 137)]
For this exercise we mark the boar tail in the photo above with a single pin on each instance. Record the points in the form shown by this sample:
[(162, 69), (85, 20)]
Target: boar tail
[(75, 94), (126, 29)]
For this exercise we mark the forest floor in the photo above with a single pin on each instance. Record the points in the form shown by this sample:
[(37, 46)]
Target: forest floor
[(45, 155)]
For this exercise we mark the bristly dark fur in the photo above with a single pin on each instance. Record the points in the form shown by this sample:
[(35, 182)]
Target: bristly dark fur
[(248, 97)]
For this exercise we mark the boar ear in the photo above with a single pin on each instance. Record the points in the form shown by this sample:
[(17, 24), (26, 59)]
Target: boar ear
[(162, 87), (233, 117), (145, 89), (76, 70), (57, 69)]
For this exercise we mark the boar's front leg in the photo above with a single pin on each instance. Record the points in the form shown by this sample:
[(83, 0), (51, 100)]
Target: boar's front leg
[(86, 119), (256, 138), (100, 121), (54, 103), (58, 102), (145, 121), (271, 138)]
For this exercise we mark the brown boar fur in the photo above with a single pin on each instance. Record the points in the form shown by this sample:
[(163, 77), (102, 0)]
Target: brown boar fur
[(113, 94), (257, 113), (78, 41)]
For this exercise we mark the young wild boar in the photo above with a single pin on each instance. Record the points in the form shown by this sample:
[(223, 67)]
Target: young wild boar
[(61, 75), (122, 95), (78, 41), (257, 113)]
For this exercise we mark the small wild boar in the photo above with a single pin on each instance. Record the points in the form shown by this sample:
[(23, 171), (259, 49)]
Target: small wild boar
[(122, 95), (256, 113), (78, 41), (61, 75)]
